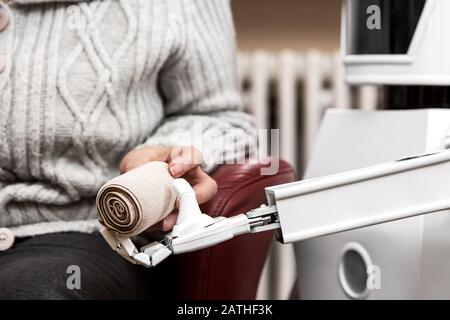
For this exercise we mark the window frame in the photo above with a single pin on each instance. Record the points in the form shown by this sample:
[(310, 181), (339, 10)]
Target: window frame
[(407, 58)]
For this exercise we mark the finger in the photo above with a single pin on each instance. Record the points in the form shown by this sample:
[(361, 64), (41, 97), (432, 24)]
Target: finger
[(166, 224), (178, 170), (170, 221), (205, 189), (155, 227), (138, 157), (184, 160)]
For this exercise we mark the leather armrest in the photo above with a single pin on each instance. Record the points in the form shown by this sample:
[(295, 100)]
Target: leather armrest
[(231, 270)]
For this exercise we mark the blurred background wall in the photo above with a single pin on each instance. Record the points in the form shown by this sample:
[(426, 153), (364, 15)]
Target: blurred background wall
[(280, 24)]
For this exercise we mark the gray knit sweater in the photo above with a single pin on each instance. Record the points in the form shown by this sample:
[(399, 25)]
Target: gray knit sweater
[(87, 81)]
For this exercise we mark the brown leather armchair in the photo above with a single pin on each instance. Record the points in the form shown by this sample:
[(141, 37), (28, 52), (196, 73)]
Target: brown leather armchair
[(230, 270)]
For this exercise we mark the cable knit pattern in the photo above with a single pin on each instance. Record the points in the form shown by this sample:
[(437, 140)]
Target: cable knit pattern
[(87, 81)]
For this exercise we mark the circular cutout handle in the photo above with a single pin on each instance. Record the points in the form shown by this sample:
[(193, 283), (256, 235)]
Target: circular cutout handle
[(352, 270)]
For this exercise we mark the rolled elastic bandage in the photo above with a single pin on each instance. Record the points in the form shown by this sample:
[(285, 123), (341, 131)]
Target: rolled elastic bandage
[(131, 203)]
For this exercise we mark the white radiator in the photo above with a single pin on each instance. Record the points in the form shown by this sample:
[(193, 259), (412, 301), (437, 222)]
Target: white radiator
[(290, 91)]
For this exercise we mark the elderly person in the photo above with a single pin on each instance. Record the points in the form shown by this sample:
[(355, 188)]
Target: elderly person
[(88, 88)]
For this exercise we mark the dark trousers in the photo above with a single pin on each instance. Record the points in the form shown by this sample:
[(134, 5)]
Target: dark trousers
[(74, 266)]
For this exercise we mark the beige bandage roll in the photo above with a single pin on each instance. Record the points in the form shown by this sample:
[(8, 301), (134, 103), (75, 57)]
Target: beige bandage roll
[(131, 203)]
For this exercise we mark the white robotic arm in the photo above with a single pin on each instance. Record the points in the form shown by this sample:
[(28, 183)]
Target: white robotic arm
[(307, 209)]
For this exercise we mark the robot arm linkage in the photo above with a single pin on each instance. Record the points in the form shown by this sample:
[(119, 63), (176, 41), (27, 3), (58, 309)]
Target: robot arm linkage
[(308, 209)]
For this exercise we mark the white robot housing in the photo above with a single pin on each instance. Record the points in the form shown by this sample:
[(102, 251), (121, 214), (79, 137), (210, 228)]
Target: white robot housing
[(401, 44)]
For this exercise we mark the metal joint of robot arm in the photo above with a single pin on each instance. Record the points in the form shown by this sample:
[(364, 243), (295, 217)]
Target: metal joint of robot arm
[(193, 230)]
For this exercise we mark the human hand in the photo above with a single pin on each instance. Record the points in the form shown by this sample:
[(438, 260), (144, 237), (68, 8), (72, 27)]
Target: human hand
[(183, 162)]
